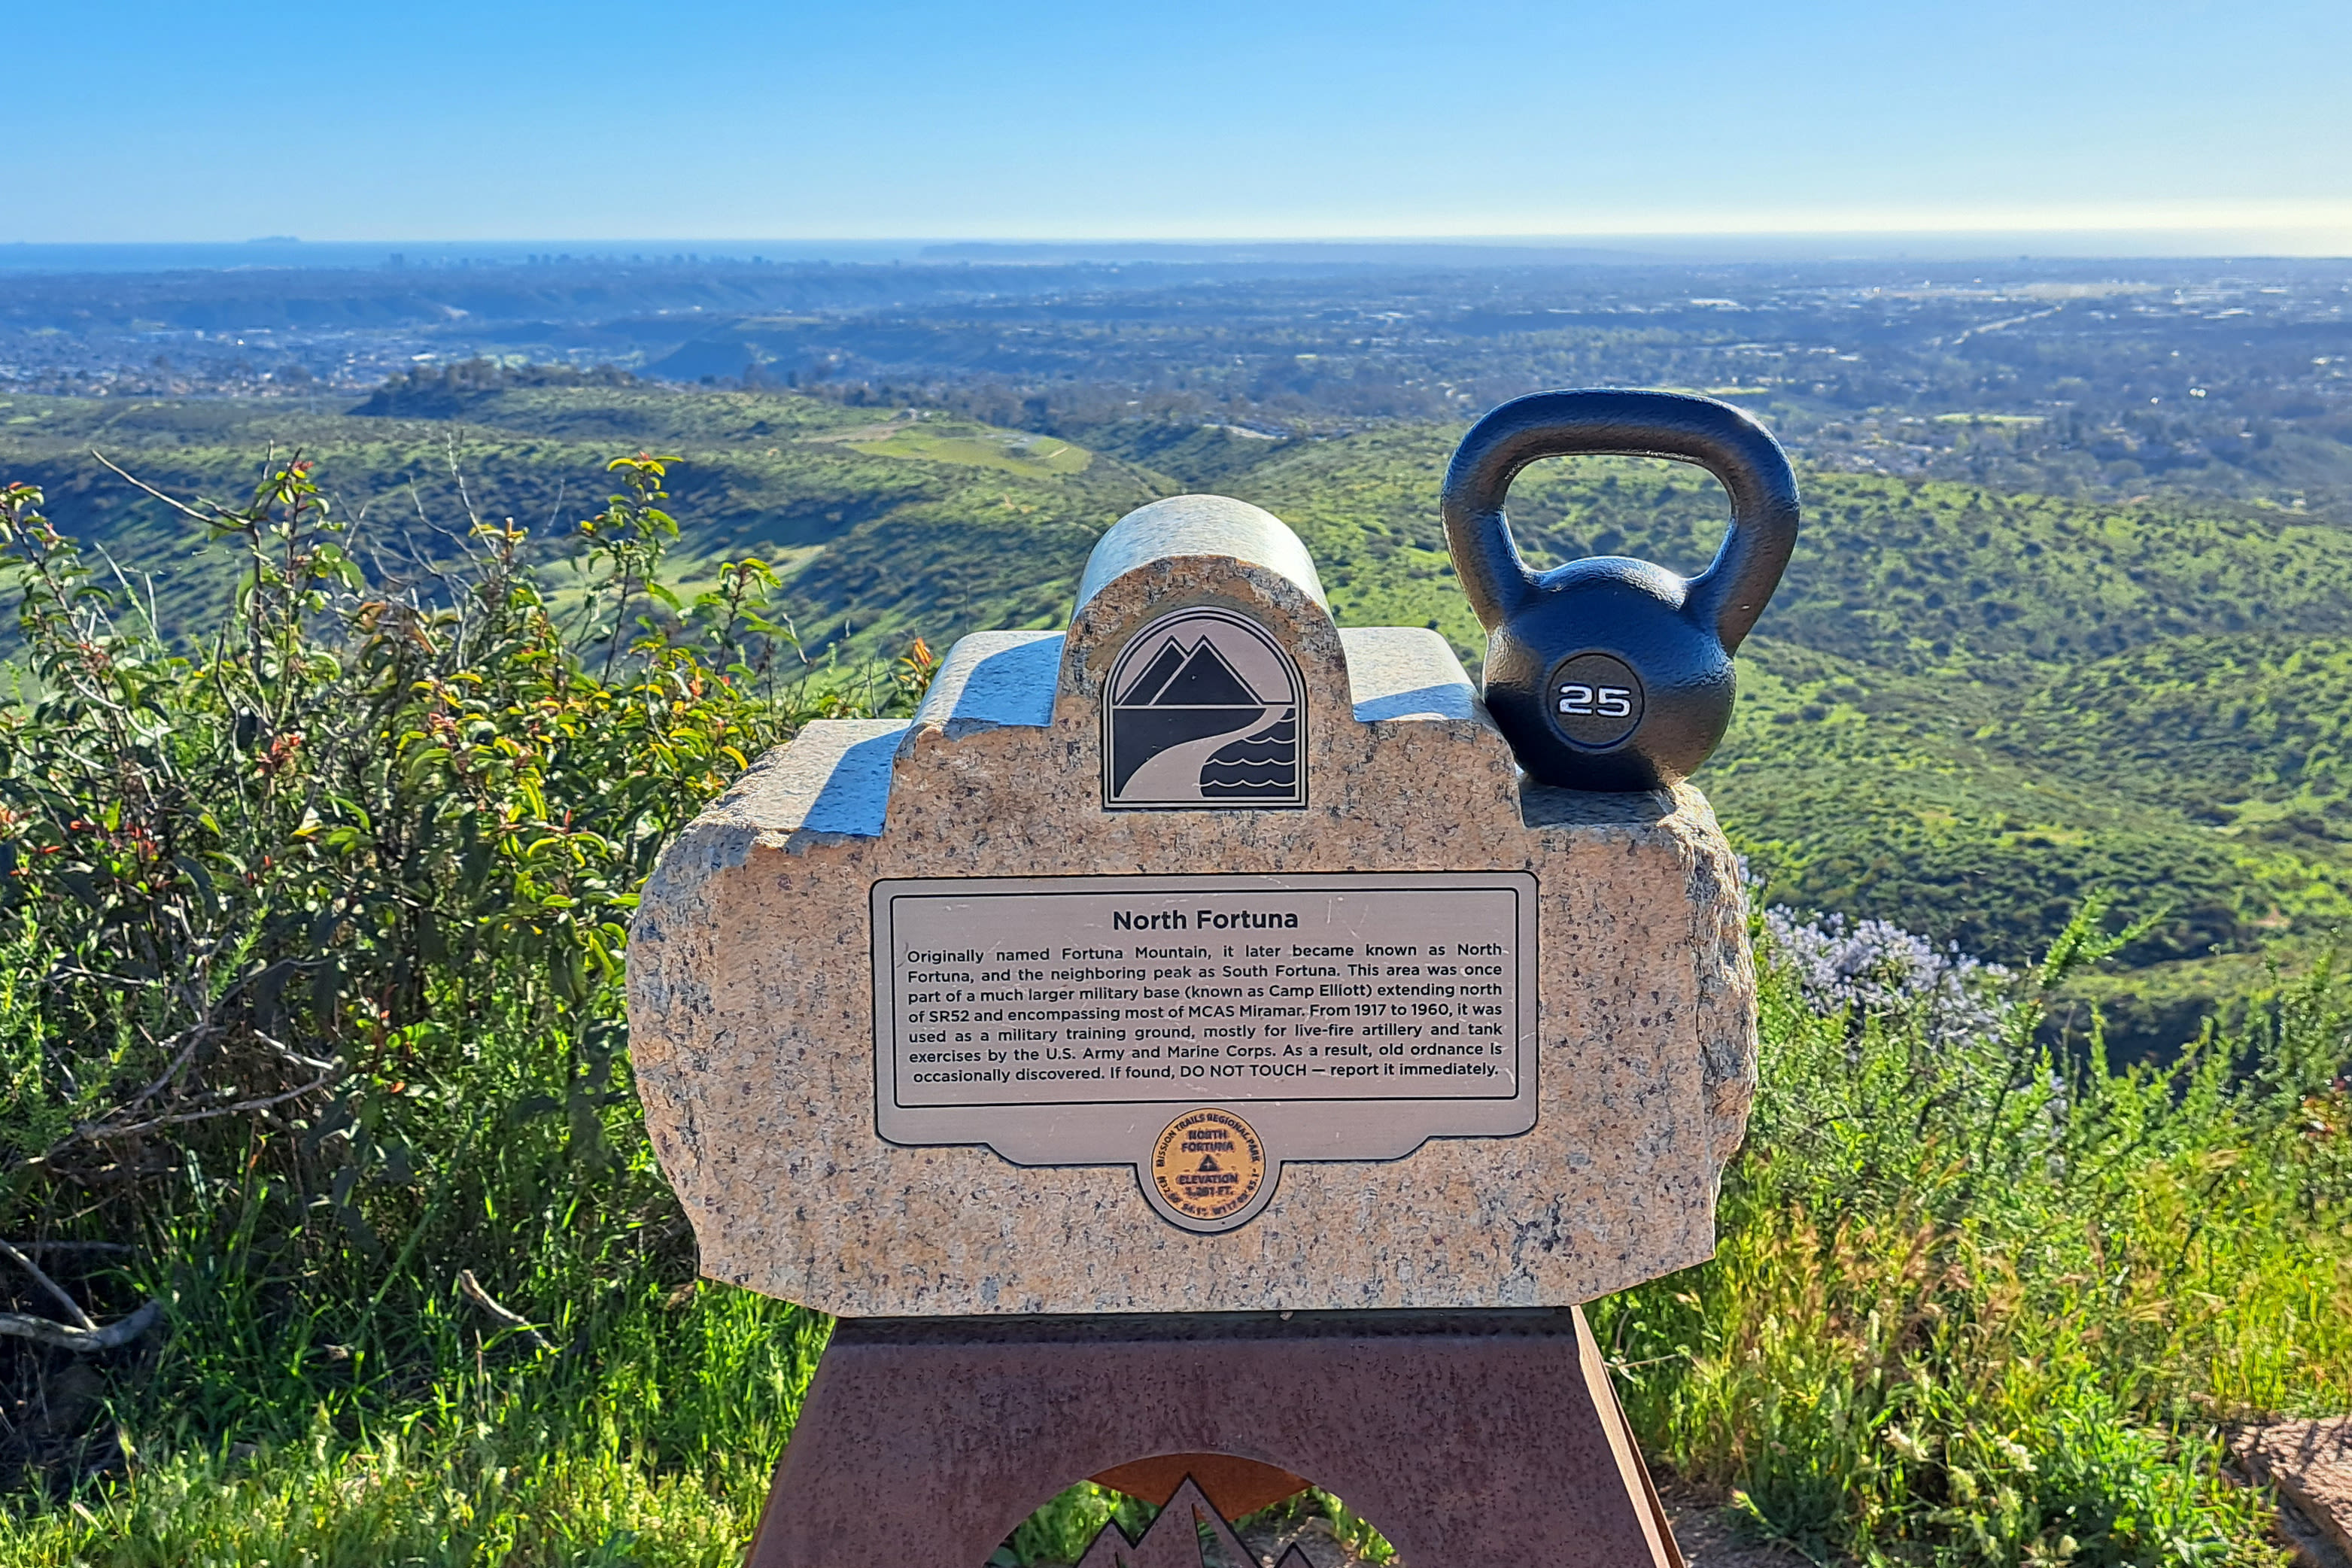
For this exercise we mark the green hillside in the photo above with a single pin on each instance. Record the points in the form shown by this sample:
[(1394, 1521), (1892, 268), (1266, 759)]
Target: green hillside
[(897, 523), (1964, 709)]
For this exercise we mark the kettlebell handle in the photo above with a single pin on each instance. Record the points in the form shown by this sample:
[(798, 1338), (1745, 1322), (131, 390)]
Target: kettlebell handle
[(1726, 441)]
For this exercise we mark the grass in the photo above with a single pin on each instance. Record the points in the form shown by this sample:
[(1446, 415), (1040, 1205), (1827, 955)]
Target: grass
[(347, 896), (967, 445), (321, 1399), (1980, 1297), (496, 1463), (1976, 1303), (1960, 1314)]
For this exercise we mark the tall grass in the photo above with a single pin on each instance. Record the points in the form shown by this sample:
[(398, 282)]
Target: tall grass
[(658, 1452), (309, 1030), (1980, 1300), (310, 939)]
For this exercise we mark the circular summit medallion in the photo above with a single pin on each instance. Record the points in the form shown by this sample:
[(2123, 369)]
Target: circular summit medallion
[(1208, 1164)]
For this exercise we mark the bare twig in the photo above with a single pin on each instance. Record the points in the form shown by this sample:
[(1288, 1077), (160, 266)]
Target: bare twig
[(104, 977), (119, 1248), (179, 506), (97, 1134), (79, 1319), (457, 472), (146, 611), (506, 1317), (297, 1058), (195, 1035), (61, 1336)]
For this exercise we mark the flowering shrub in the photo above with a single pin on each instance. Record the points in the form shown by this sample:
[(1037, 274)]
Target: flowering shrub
[(1979, 1300), (1875, 967)]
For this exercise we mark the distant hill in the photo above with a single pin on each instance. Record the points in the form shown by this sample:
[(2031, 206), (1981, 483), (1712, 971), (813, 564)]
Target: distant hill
[(897, 524), (1964, 709)]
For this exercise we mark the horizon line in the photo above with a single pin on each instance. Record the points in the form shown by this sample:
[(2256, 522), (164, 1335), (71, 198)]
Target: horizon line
[(1487, 239), (1926, 242)]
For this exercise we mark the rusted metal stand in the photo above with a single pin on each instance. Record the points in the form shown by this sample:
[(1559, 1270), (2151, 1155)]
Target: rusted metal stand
[(1487, 1440)]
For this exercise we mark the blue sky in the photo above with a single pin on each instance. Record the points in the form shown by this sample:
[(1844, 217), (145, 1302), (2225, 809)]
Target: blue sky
[(496, 120)]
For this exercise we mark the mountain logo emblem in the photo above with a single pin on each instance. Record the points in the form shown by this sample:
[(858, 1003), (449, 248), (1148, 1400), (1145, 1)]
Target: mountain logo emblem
[(1203, 708)]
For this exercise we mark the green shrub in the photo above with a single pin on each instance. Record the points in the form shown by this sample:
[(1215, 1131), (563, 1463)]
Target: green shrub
[(311, 937), (1974, 1303), (310, 943)]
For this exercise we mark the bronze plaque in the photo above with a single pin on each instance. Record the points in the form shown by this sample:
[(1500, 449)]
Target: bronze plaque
[(1123, 1020)]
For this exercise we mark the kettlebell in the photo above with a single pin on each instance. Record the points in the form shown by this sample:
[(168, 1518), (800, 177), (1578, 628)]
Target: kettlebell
[(1609, 673)]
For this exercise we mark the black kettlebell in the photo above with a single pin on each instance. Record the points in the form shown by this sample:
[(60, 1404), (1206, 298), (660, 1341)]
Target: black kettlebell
[(1609, 673)]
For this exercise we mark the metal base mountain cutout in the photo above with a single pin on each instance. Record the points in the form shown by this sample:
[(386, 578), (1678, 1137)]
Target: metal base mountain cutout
[(1470, 1439), (1188, 1533)]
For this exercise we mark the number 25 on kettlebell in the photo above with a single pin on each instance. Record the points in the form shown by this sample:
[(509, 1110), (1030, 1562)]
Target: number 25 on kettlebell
[(1609, 673), (1609, 701)]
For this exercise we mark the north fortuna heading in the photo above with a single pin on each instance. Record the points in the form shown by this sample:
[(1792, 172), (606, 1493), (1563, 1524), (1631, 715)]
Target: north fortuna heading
[(1203, 920)]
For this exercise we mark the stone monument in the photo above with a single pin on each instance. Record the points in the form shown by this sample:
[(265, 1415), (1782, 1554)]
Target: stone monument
[(1193, 1054)]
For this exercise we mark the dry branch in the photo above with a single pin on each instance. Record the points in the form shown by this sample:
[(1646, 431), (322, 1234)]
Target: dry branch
[(65, 1337), (95, 1133), (40, 1249), (505, 1316), (79, 1319)]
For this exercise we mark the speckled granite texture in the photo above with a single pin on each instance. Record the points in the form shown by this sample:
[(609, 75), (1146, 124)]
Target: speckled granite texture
[(2310, 1463), (751, 1006)]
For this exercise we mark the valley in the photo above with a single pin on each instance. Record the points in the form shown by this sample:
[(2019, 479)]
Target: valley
[(1967, 709)]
